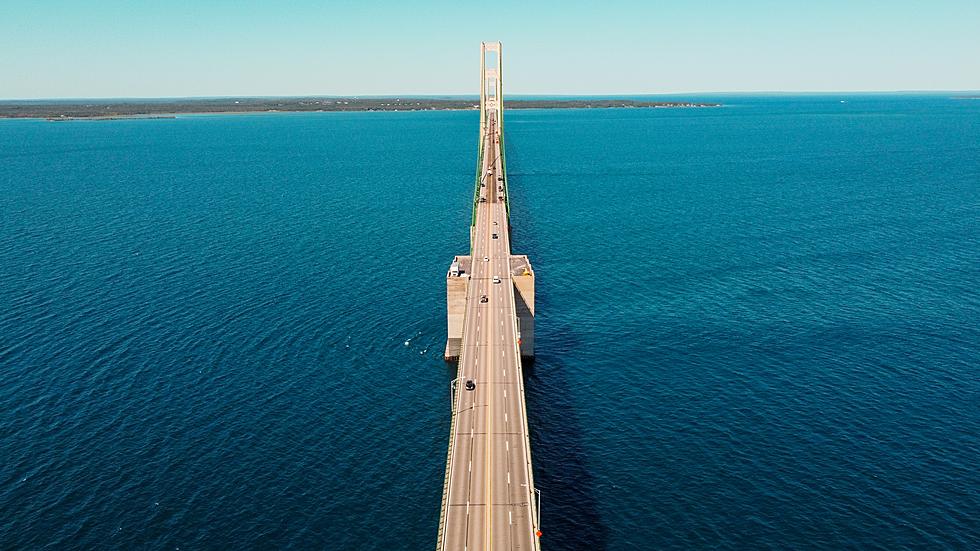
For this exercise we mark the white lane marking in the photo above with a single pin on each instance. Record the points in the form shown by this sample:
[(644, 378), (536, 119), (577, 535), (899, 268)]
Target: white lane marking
[(471, 467), (505, 418), (505, 394), (508, 477), (507, 442), (510, 516)]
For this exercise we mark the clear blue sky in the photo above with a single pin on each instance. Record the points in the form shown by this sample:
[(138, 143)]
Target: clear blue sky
[(51, 49)]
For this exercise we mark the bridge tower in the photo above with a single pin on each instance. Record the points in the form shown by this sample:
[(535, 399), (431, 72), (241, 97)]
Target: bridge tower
[(491, 84)]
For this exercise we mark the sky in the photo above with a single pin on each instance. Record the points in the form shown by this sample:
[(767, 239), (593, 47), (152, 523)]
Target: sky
[(113, 49)]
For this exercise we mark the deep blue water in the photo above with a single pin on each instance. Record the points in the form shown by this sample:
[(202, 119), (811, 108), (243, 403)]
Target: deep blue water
[(757, 326)]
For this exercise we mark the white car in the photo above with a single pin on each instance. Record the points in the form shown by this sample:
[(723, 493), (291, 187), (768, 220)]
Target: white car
[(486, 259), (496, 279)]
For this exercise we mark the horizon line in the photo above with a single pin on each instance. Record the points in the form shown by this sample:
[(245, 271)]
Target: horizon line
[(515, 94)]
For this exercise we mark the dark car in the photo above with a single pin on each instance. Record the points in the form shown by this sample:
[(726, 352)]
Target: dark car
[(494, 236), (484, 298), (470, 385)]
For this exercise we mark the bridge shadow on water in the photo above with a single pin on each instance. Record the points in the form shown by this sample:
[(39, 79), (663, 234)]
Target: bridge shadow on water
[(570, 516)]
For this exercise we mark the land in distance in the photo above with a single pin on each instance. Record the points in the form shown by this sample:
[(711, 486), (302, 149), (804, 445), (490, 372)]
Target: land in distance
[(113, 109)]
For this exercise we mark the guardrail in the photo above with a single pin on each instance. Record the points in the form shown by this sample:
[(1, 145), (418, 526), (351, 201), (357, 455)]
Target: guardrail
[(503, 168)]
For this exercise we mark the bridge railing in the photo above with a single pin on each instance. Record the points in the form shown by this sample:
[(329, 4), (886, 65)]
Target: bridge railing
[(503, 169), (445, 485), (479, 179)]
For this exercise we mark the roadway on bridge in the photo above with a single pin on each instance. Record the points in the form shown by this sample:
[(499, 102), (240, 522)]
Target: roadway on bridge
[(489, 504)]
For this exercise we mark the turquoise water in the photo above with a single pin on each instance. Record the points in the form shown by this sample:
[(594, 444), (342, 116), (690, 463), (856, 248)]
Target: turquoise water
[(756, 325)]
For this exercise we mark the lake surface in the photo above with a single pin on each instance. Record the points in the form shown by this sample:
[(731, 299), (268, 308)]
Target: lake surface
[(757, 325)]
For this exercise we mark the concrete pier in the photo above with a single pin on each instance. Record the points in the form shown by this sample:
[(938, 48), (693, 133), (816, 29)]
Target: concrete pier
[(457, 285)]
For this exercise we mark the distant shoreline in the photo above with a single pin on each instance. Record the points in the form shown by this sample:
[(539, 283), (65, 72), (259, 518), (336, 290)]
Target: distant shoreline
[(103, 117), (112, 110)]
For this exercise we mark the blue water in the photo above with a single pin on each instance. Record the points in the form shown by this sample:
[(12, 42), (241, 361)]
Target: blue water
[(757, 326)]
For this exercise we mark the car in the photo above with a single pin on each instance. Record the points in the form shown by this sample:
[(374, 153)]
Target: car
[(494, 222), (470, 385), (496, 279), (486, 259), (494, 236), (483, 298)]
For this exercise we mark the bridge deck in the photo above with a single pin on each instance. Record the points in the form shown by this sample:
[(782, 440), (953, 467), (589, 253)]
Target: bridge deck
[(489, 501)]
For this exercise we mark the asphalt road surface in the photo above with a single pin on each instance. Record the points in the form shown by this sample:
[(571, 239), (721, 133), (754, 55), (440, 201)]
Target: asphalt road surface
[(490, 501)]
